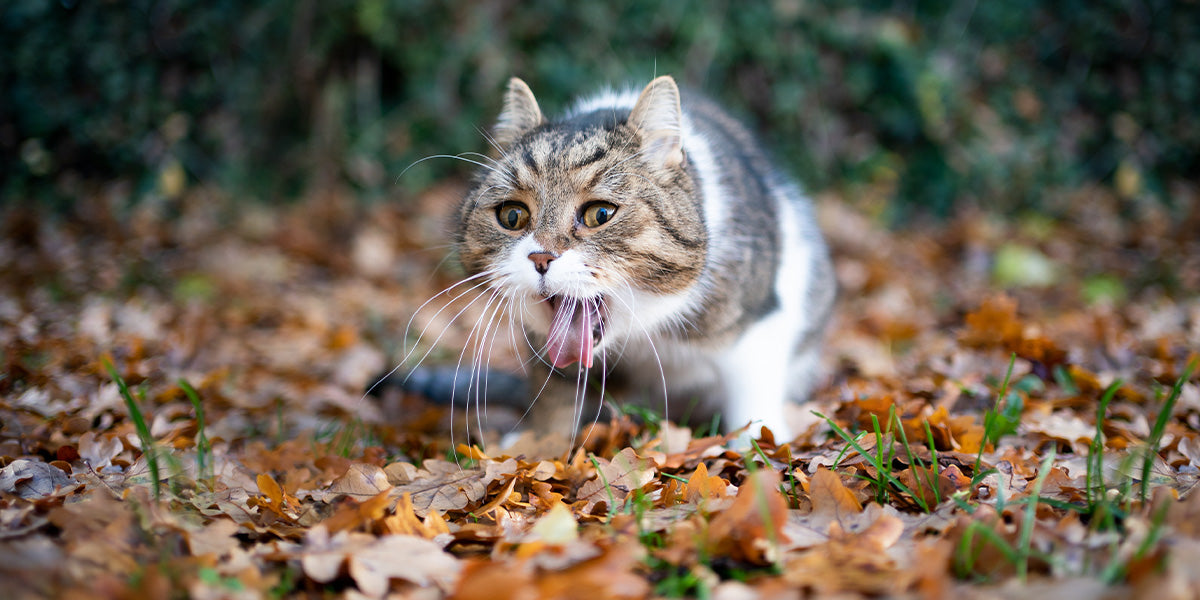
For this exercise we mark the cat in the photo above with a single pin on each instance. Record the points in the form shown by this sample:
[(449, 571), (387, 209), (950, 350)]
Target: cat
[(647, 238)]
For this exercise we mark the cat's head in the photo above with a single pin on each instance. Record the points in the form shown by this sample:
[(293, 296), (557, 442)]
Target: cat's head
[(592, 224)]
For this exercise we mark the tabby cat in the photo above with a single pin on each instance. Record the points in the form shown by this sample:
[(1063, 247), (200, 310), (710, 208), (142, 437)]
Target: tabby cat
[(646, 241)]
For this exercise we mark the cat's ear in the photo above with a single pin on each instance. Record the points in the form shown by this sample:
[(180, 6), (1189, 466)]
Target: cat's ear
[(658, 116), (520, 113)]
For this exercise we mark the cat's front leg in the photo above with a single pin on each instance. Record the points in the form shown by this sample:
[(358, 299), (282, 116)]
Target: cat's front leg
[(755, 375)]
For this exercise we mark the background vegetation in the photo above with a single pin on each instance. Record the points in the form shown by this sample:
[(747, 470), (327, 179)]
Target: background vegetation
[(926, 103)]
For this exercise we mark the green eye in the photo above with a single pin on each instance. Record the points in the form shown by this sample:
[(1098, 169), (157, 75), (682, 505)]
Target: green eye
[(598, 213), (512, 215)]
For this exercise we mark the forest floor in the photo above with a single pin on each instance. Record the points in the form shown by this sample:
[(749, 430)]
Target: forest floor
[(1009, 413)]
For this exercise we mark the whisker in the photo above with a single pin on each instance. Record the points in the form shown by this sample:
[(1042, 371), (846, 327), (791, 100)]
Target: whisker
[(502, 174), (480, 367), (458, 366), (406, 330), (408, 326), (432, 346), (653, 349)]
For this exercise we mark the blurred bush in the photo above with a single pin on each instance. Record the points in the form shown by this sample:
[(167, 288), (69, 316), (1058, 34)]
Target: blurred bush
[(919, 104)]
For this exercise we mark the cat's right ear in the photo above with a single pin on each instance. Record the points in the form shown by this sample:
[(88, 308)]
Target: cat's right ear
[(520, 114)]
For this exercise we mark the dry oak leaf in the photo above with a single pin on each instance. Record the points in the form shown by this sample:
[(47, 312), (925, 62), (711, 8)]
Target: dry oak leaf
[(751, 529), (99, 450), (994, 323), (613, 575), (851, 562), (702, 486), (372, 562), (413, 559), (553, 542), (361, 481), (216, 538), (444, 486), (921, 480), (405, 521), (830, 497), (1062, 425), (557, 526), (274, 499), (31, 479), (963, 433), (352, 514), (619, 477)]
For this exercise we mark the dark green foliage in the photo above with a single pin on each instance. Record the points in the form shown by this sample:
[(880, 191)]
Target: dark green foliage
[(932, 103)]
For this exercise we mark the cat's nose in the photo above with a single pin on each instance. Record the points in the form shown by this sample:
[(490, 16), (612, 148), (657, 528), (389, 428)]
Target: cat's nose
[(542, 260)]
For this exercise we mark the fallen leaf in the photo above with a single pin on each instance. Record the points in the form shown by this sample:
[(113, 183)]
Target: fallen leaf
[(830, 498), (702, 486), (617, 479), (361, 481), (751, 529), (35, 479), (405, 557)]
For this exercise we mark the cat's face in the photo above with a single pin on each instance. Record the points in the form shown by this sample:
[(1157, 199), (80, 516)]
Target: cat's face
[(591, 226)]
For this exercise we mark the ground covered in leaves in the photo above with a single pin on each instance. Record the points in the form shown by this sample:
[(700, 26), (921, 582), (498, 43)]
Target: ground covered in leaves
[(1009, 412)]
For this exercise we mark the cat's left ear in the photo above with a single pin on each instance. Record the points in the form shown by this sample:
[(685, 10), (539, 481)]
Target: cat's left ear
[(520, 113), (658, 116)]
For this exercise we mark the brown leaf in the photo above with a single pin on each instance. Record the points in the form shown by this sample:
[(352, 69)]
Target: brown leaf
[(35, 479), (444, 486), (361, 481), (404, 521), (830, 498), (216, 538), (624, 473), (702, 486), (933, 485), (612, 575), (751, 529), (274, 499), (353, 515), (851, 562), (994, 323), (405, 557)]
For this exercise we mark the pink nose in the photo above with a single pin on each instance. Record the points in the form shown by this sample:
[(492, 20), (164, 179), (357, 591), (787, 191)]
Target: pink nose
[(542, 260)]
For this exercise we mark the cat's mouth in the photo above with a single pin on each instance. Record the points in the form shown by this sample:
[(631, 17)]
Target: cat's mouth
[(576, 328)]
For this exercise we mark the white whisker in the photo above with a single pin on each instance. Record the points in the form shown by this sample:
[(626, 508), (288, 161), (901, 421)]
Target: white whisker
[(502, 174)]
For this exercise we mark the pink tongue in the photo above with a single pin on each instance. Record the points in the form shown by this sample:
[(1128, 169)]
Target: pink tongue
[(570, 338)]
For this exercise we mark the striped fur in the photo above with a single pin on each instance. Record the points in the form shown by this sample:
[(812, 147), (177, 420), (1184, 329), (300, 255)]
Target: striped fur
[(714, 280)]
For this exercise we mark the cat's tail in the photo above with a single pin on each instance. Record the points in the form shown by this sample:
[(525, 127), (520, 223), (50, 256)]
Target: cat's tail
[(445, 385)]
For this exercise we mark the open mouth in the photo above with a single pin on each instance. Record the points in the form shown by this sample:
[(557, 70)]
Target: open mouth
[(576, 328)]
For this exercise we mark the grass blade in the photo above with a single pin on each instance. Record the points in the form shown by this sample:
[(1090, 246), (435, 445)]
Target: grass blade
[(204, 462), (139, 423), (1095, 461), (1027, 524), (1160, 425)]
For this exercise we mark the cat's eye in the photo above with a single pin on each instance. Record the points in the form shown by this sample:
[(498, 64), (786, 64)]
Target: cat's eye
[(598, 213), (512, 215)]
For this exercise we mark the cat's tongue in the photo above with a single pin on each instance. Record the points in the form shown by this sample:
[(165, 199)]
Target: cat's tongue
[(570, 339)]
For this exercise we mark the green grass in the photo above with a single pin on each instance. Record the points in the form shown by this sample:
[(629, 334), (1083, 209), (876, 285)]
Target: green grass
[(966, 553), (204, 461), (1108, 504), (139, 423), (1002, 419), (881, 459), (1095, 463), (612, 499), (1160, 425)]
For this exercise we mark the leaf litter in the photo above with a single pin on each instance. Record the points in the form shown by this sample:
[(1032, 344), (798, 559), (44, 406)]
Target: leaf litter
[(982, 432)]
